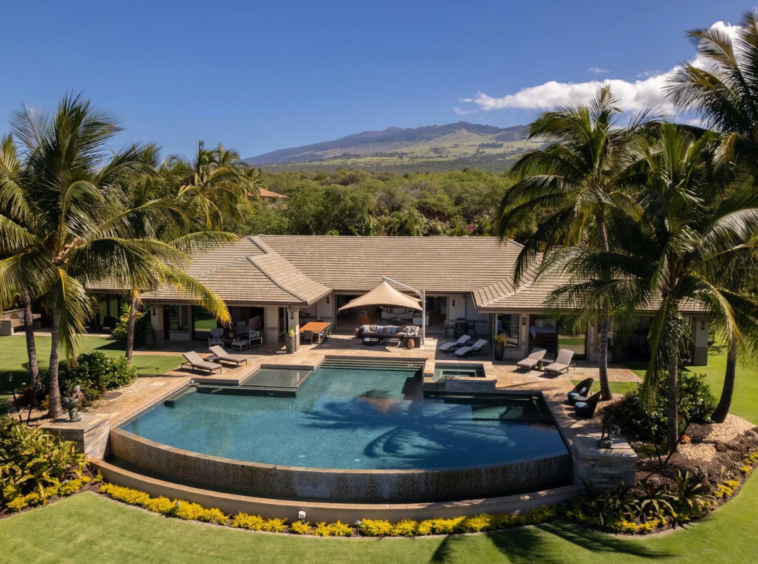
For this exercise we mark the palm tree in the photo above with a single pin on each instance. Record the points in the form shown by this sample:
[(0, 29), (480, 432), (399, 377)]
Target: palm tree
[(577, 176), (682, 249), (215, 182), (725, 92), (725, 95), (64, 225)]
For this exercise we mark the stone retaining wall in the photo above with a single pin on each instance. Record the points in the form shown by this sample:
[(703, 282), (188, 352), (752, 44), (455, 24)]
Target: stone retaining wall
[(338, 485)]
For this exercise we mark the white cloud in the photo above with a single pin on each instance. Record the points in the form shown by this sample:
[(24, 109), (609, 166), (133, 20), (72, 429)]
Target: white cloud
[(648, 91), (648, 73), (461, 112), (464, 100), (597, 70)]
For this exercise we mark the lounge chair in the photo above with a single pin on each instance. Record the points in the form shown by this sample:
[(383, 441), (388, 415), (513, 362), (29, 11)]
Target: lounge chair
[(216, 337), (562, 362), (196, 363), (476, 348), (580, 391), (221, 355), (531, 361), (453, 345), (586, 409)]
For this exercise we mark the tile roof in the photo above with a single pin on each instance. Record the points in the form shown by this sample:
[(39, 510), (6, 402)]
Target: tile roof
[(434, 264), (247, 272)]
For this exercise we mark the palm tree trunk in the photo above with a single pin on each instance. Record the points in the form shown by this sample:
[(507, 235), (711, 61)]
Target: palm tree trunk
[(130, 326), (722, 409), (605, 386), (54, 391), (672, 430), (31, 345)]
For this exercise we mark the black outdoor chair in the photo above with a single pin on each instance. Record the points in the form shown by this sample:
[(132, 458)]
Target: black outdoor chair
[(586, 409), (580, 391)]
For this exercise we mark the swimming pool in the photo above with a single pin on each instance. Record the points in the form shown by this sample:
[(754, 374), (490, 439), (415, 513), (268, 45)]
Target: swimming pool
[(362, 419)]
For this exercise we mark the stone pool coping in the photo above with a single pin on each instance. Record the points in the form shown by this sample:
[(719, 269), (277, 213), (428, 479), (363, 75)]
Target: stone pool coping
[(327, 511)]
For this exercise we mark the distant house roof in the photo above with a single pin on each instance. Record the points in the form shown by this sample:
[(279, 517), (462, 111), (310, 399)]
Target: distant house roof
[(269, 195)]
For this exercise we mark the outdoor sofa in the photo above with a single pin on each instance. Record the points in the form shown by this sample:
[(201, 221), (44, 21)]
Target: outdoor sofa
[(382, 332), (196, 363)]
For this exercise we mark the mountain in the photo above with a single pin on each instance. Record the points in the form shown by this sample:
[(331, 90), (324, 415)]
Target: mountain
[(434, 148)]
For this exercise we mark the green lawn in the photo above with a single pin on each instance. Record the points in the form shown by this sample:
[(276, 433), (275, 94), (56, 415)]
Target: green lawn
[(13, 359), (88, 528)]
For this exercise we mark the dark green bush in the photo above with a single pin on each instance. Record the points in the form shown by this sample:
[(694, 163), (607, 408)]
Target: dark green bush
[(696, 404), (95, 373), (141, 321)]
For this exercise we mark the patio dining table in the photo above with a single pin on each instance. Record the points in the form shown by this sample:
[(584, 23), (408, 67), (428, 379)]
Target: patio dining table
[(315, 328)]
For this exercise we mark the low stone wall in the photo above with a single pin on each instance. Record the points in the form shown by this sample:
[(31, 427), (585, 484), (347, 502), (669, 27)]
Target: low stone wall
[(90, 434), (337, 485), (320, 511)]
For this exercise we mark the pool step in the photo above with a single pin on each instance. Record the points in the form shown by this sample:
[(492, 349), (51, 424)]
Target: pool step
[(373, 364)]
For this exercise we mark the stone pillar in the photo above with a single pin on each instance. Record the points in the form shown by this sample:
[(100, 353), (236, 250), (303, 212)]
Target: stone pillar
[(293, 315), (90, 434), (156, 318), (271, 324), (700, 342)]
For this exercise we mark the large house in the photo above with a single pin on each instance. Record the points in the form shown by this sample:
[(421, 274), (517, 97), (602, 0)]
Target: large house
[(277, 282)]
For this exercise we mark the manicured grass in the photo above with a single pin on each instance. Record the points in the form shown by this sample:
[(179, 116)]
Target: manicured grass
[(88, 528), (13, 359)]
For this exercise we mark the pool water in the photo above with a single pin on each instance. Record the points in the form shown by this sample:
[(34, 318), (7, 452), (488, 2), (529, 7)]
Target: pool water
[(350, 418)]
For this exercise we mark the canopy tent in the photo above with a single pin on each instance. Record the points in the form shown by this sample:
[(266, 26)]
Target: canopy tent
[(383, 294)]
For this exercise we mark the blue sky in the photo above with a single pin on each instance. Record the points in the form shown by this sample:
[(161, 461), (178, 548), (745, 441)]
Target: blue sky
[(259, 76)]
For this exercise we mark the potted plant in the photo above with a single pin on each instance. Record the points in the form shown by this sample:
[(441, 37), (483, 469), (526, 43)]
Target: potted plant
[(289, 341), (150, 336), (499, 346)]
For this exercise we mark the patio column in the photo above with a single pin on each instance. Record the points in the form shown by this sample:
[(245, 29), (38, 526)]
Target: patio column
[(294, 323), (156, 318), (271, 323)]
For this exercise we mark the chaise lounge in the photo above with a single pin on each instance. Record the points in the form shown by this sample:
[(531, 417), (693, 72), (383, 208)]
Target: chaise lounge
[(220, 355), (453, 345), (476, 348), (562, 362), (531, 361), (196, 363)]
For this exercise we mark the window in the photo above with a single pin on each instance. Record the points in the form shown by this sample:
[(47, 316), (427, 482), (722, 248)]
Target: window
[(573, 337), (171, 316), (508, 324), (202, 323), (543, 333)]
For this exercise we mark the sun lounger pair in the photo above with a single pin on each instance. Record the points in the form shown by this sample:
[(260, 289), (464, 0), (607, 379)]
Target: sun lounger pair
[(196, 363), (476, 348), (562, 361), (452, 346), (221, 355)]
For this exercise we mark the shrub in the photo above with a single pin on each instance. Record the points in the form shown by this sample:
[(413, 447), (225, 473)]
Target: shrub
[(160, 505), (322, 530), (405, 528), (127, 495), (340, 529), (274, 525), (375, 528), (439, 526), (95, 373), (141, 321), (695, 402), (475, 524), (34, 461), (301, 528), (189, 511), (72, 486), (246, 521)]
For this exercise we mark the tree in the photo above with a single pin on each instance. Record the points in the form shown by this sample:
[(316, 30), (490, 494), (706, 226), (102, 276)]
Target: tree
[(725, 92), (576, 177), (409, 223), (725, 95), (679, 248), (64, 224)]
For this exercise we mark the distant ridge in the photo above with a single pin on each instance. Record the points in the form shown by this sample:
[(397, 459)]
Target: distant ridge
[(436, 146)]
